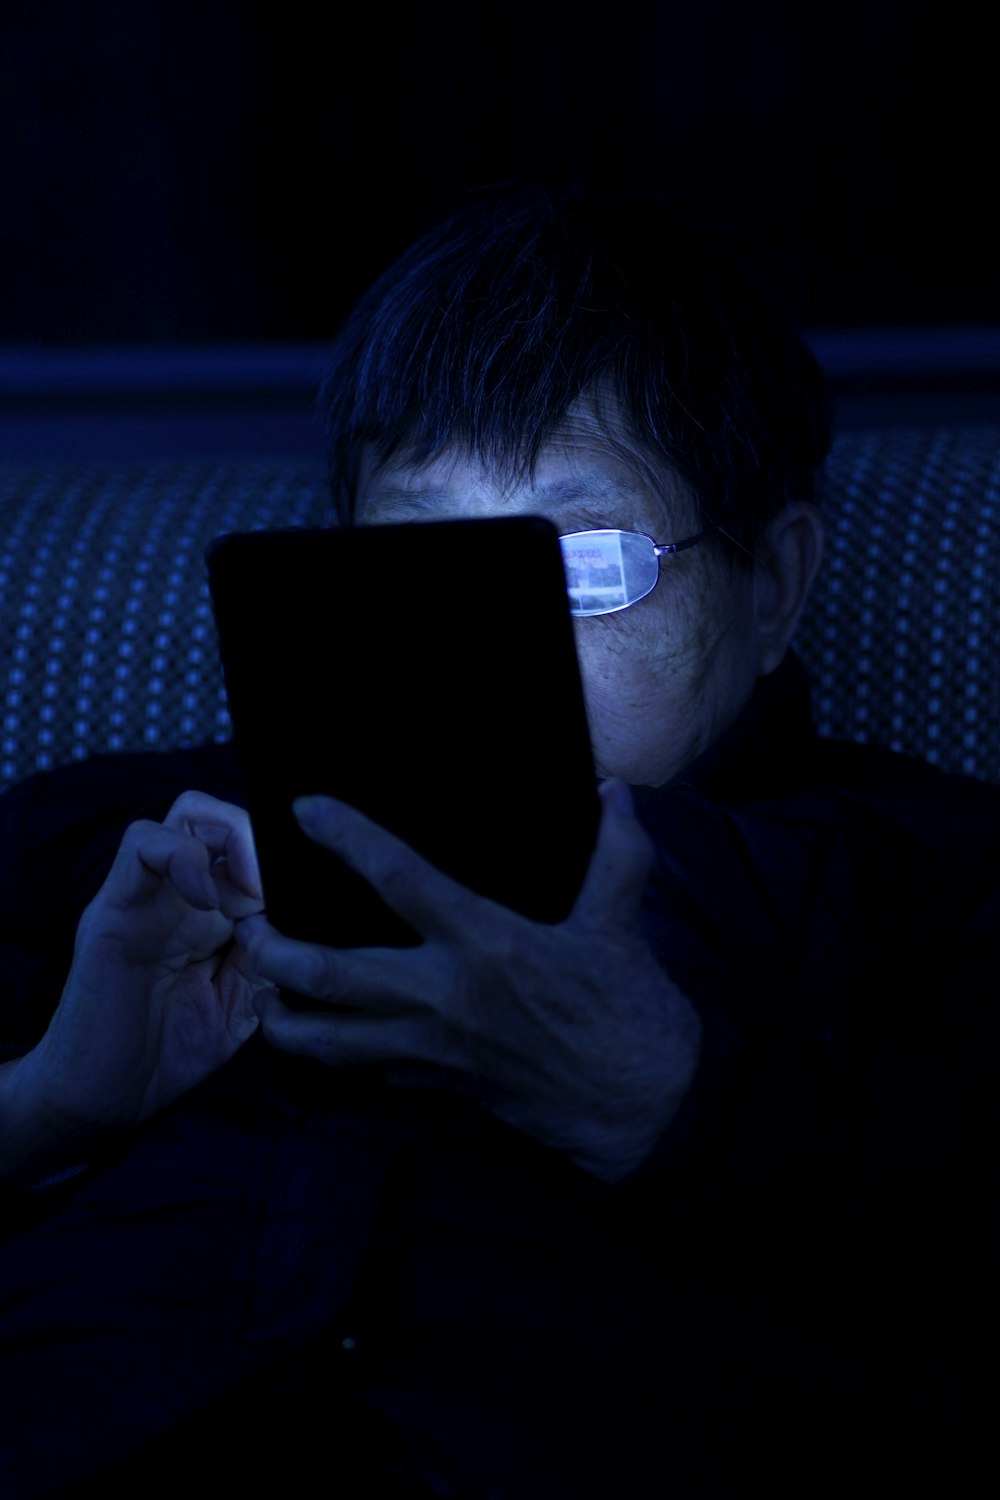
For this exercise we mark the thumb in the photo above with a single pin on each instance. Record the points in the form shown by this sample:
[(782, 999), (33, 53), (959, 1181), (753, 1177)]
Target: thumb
[(619, 866)]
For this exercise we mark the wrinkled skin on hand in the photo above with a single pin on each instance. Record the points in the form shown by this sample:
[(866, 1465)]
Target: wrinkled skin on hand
[(573, 1033), (157, 997)]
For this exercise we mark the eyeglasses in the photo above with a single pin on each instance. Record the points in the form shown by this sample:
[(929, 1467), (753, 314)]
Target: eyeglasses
[(609, 570)]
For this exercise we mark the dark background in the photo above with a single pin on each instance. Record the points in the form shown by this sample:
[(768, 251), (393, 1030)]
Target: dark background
[(181, 178)]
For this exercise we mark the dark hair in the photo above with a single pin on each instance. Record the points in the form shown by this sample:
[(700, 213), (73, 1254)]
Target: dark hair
[(490, 325)]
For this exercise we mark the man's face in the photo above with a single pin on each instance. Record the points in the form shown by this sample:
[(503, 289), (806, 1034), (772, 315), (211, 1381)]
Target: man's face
[(662, 678)]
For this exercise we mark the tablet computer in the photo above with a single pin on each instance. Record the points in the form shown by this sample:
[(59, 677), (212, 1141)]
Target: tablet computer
[(426, 673)]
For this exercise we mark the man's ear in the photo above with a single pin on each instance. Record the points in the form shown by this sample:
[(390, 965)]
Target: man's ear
[(788, 559)]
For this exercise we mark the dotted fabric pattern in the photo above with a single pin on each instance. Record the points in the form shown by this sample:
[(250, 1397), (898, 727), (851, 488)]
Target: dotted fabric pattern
[(902, 631), (107, 640)]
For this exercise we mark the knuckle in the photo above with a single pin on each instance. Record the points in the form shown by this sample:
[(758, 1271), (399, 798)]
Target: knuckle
[(319, 974), (135, 833), (391, 877), (501, 944), (249, 939), (188, 804), (193, 809), (140, 839)]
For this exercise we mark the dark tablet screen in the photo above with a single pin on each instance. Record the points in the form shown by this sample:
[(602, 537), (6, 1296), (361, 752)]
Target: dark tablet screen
[(427, 674)]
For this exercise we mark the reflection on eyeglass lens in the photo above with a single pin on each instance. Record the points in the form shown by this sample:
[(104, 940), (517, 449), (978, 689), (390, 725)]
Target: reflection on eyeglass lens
[(607, 570)]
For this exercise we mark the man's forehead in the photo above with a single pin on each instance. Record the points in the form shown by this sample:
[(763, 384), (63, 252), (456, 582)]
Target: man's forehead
[(429, 487), (570, 471)]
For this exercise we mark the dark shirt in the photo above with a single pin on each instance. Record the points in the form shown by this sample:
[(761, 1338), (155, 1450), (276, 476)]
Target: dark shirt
[(806, 1254)]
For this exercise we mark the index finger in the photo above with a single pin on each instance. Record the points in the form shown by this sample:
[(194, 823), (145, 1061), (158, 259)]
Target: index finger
[(225, 831), (432, 902)]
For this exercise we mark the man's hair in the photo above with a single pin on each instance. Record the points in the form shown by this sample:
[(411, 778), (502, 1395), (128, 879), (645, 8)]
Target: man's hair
[(484, 332)]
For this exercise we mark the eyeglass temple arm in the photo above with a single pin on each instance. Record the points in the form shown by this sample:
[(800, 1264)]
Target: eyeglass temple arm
[(667, 548)]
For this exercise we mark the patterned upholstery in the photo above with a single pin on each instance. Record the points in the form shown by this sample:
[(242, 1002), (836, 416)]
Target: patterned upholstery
[(106, 634), (107, 640), (901, 634)]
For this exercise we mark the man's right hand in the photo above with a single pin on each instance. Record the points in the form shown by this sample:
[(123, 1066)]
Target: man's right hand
[(157, 996)]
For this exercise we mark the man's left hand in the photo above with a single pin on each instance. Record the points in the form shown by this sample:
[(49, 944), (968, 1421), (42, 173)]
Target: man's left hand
[(573, 1033)]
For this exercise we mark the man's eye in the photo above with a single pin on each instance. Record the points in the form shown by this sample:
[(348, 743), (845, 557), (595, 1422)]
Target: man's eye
[(389, 515)]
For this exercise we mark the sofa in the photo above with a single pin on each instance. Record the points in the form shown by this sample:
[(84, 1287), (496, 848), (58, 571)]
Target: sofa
[(107, 640)]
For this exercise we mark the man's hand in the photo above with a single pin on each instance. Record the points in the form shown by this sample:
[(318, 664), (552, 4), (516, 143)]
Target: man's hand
[(157, 995), (572, 1033)]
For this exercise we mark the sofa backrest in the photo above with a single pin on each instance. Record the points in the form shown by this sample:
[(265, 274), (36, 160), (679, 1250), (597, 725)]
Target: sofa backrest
[(902, 631), (107, 640)]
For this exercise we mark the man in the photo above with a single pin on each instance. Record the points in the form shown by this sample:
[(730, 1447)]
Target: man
[(629, 1204)]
